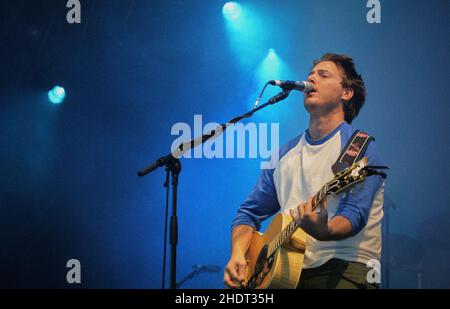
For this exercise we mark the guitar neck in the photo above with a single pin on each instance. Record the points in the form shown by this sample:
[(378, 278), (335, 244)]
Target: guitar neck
[(293, 226)]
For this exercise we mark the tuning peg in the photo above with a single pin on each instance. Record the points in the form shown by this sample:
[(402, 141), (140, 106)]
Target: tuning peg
[(371, 171), (377, 167)]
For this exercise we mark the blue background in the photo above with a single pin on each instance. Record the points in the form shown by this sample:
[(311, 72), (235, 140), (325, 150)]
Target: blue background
[(132, 69)]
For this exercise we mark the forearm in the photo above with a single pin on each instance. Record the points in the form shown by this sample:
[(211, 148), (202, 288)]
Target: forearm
[(241, 236), (336, 228), (339, 227)]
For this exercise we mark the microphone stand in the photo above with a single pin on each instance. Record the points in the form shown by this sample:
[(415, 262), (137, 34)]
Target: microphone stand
[(173, 166), (198, 269)]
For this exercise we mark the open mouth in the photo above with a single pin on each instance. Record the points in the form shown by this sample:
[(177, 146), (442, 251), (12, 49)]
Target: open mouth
[(314, 90)]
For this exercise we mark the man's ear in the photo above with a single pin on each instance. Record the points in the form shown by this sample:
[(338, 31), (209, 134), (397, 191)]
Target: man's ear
[(347, 94)]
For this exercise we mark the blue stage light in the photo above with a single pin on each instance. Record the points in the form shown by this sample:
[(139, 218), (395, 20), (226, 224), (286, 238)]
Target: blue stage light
[(271, 67), (246, 31), (232, 10), (57, 95), (271, 55)]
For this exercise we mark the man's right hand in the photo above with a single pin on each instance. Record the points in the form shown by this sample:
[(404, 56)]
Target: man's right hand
[(234, 273)]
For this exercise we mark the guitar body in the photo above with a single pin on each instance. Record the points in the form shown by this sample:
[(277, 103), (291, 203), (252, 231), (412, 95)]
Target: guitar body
[(283, 269)]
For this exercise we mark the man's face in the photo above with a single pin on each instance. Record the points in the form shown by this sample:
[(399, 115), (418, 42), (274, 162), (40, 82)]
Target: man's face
[(328, 92)]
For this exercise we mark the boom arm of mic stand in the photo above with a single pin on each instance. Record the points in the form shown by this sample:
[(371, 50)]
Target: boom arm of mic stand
[(184, 147), (158, 163)]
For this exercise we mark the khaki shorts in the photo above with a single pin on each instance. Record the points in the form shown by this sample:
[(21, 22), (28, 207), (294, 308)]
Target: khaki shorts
[(336, 274)]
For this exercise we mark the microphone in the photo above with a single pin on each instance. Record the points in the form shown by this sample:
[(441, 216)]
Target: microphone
[(303, 86)]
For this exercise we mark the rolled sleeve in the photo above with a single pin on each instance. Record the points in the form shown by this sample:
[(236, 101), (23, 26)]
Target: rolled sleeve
[(260, 204), (356, 204)]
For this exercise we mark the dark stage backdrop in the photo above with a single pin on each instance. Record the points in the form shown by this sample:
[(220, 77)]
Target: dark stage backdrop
[(133, 69)]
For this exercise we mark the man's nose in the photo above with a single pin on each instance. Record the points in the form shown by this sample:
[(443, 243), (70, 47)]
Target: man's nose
[(311, 79)]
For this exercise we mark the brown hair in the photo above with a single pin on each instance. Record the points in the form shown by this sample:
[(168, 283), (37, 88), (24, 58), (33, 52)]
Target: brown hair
[(351, 80)]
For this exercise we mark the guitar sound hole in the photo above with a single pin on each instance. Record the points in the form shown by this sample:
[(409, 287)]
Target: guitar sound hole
[(263, 267), (262, 257)]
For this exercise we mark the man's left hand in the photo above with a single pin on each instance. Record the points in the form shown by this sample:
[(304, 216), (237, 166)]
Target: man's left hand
[(313, 223)]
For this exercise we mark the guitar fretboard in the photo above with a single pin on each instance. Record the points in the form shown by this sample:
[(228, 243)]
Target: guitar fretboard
[(292, 226)]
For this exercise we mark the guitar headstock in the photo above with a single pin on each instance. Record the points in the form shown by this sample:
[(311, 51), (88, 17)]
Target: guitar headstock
[(349, 177)]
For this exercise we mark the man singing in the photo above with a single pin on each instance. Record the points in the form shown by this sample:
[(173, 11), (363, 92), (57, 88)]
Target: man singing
[(346, 233)]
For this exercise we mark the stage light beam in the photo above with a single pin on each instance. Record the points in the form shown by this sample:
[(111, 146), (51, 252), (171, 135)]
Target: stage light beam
[(271, 67)]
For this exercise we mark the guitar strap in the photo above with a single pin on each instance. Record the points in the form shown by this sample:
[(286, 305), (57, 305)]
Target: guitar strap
[(353, 151)]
